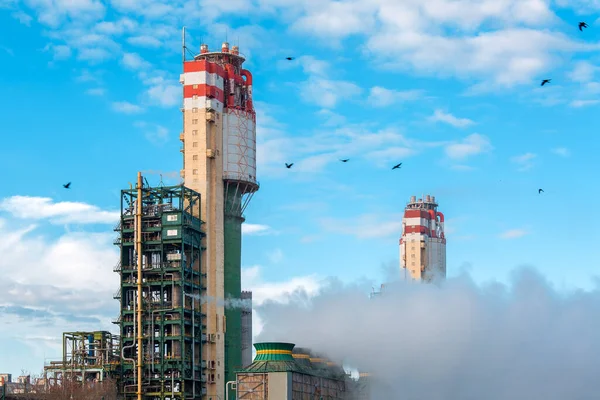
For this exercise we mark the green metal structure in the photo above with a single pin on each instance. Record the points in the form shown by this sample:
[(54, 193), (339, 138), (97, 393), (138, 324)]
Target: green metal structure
[(88, 357), (233, 282), (172, 282), (237, 196)]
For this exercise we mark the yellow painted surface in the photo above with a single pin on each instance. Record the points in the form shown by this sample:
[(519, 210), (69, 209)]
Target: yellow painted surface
[(288, 352)]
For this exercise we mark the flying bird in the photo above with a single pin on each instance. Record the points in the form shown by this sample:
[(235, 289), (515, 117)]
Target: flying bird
[(545, 81), (540, 191), (288, 166), (582, 25), (345, 160), (397, 166), (289, 58), (67, 186)]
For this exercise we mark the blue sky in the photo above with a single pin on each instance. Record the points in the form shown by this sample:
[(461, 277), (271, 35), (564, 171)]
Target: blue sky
[(90, 94)]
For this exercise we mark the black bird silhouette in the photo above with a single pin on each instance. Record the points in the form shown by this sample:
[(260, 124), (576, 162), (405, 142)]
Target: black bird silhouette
[(345, 160), (397, 166), (289, 58), (540, 191), (582, 25), (67, 186), (545, 81), (288, 165)]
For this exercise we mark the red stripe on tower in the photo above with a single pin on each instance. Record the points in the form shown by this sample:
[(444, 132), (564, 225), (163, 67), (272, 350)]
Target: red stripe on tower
[(416, 214), (203, 66), (203, 90), (417, 229)]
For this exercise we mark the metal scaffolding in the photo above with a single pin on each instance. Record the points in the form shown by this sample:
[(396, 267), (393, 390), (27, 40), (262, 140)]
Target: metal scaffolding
[(88, 358), (163, 329)]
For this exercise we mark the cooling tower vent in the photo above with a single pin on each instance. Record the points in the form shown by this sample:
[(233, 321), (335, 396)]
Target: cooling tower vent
[(274, 351)]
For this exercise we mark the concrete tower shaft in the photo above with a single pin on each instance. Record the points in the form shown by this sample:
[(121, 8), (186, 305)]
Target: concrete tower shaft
[(219, 161), (423, 242)]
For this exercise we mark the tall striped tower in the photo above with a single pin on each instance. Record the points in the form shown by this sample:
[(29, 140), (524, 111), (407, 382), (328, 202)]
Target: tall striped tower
[(219, 162), (423, 243)]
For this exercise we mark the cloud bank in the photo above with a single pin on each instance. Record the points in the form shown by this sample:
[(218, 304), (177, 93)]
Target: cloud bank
[(519, 341)]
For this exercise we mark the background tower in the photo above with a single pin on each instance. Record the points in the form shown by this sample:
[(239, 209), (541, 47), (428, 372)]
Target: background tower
[(219, 162), (423, 244)]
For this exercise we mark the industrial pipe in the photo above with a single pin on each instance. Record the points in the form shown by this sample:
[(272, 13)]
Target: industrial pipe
[(231, 76), (232, 388), (140, 332), (193, 338), (163, 310), (439, 214), (246, 74)]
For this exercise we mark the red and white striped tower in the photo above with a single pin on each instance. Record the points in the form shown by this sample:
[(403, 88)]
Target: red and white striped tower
[(423, 243), (219, 162)]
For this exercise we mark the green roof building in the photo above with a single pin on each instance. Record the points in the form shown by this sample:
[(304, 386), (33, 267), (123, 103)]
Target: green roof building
[(280, 373)]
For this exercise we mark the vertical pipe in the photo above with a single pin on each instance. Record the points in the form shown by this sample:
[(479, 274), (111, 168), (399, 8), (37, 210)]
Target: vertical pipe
[(138, 217), (232, 231)]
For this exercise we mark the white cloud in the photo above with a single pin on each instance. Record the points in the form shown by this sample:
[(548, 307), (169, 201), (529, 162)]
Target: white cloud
[(366, 226), (87, 76), (513, 234), (583, 71), (275, 256), (164, 93), (135, 62), (144, 41), (525, 161), (561, 151), (155, 133), (583, 103), (126, 107), (390, 155), (441, 116), (255, 229), (7, 50), (327, 93), (471, 145), (59, 52), (64, 212), (116, 27), (94, 55), (331, 118), (51, 285), (96, 91), (382, 97), (23, 18), (312, 152), (53, 13)]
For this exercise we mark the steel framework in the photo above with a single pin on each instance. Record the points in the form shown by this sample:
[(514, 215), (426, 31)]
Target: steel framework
[(160, 258), (88, 357)]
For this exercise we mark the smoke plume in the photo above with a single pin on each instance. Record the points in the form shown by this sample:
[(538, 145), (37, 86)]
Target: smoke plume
[(453, 341)]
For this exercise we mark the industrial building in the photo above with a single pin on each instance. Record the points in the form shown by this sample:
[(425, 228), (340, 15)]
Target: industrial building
[(87, 357), (280, 373), (185, 325), (219, 162), (423, 243), (161, 324)]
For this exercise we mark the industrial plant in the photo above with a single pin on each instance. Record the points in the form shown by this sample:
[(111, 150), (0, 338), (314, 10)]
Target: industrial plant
[(185, 326)]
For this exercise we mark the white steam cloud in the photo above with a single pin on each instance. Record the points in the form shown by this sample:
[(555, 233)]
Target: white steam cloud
[(456, 341)]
